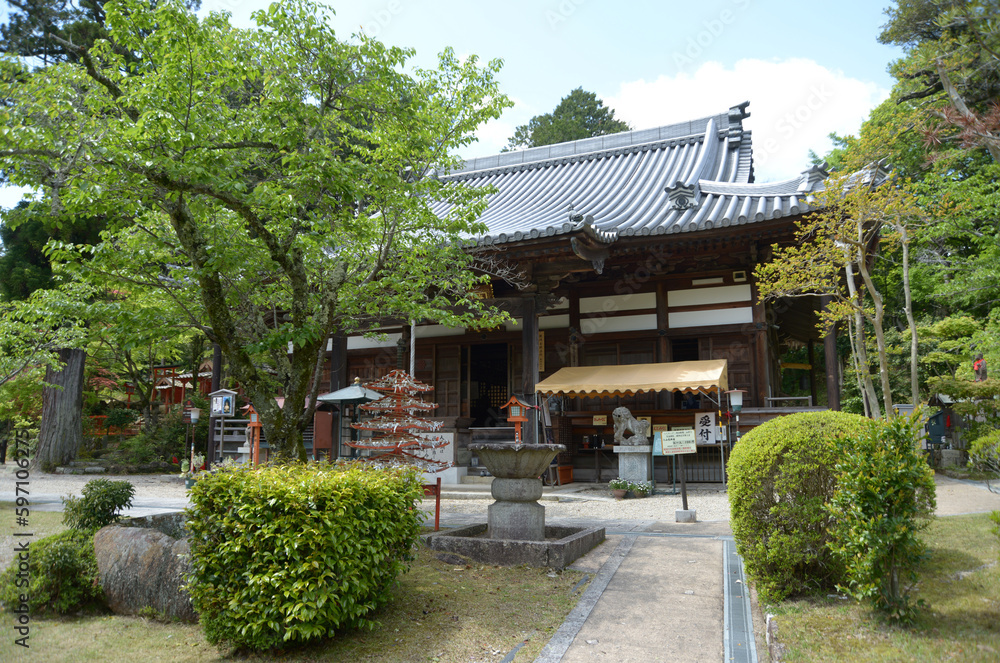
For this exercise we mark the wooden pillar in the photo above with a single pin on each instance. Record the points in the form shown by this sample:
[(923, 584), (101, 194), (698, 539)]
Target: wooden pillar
[(574, 326), (812, 371), (529, 365), (758, 345), (664, 399), (336, 354), (403, 349), (832, 368), (216, 385)]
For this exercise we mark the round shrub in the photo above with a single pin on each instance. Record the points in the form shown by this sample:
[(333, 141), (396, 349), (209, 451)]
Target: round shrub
[(102, 503), (781, 474), (287, 555), (58, 575)]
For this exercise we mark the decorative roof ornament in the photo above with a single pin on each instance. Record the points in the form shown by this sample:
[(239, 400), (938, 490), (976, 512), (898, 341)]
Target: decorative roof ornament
[(812, 178), (683, 196), (737, 114), (592, 244)]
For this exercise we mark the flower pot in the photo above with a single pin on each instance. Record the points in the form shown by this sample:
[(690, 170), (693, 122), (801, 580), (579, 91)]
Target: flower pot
[(619, 493), (189, 482)]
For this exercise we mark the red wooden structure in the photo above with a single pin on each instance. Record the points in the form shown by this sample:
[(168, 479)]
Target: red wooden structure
[(398, 421)]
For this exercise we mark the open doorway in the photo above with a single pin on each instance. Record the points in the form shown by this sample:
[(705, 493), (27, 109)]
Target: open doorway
[(685, 349), (487, 383)]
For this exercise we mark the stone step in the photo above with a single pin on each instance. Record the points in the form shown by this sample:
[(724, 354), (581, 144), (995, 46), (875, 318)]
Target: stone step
[(86, 463), (470, 479), (92, 469)]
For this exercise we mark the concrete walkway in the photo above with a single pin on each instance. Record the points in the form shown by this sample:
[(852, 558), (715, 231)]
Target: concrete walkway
[(676, 592)]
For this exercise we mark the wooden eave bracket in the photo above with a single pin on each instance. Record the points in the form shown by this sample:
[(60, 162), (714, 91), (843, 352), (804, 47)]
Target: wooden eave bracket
[(593, 253)]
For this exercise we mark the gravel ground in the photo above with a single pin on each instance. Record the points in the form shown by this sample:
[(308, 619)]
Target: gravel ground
[(710, 504), (146, 485)]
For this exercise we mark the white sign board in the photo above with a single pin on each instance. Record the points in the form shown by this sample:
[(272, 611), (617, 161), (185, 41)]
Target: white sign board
[(670, 443), (704, 424), (222, 405)]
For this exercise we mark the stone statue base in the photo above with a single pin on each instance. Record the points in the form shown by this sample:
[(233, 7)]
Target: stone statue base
[(635, 463)]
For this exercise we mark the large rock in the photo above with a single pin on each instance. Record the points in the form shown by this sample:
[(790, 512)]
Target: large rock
[(143, 568)]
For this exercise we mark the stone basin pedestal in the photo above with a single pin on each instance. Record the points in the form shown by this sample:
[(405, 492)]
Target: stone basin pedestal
[(515, 532), (516, 469)]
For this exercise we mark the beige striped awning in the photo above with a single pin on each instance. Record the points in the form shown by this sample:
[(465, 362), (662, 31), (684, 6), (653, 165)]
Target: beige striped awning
[(706, 375)]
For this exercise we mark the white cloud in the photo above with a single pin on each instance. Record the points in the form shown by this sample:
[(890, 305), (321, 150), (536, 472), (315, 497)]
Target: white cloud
[(794, 105)]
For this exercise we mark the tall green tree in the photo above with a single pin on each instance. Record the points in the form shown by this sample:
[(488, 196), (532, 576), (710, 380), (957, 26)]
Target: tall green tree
[(952, 66), (837, 254), (580, 114), (273, 183), (24, 233), (44, 29)]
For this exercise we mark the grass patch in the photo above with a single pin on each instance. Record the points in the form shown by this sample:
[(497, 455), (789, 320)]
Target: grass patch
[(40, 524), (440, 612), (960, 583)]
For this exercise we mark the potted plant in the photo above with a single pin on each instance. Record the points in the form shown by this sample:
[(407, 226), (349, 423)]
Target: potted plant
[(640, 489), (619, 487)]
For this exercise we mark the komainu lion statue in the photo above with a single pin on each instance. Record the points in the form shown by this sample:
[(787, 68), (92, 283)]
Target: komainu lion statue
[(624, 420)]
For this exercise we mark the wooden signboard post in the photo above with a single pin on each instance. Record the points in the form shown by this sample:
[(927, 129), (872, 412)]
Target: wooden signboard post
[(676, 443)]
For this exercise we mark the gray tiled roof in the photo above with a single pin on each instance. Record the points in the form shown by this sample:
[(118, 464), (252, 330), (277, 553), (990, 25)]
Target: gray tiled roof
[(683, 177)]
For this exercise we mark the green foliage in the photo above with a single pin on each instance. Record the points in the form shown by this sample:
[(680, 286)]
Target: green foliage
[(121, 417), (984, 453), (950, 344), (619, 484), (287, 555), (59, 575), (839, 253), (102, 503), (976, 402), (578, 115), (164, 439), (639, 489), (884, 497), (313, 157), (781, 475)]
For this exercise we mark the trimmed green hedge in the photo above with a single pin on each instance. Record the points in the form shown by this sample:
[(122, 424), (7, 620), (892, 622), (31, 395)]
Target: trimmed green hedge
[(781, 475), (286, 555)]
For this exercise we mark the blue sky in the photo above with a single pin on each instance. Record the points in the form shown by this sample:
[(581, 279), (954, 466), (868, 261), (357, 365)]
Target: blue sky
[(806, 69)]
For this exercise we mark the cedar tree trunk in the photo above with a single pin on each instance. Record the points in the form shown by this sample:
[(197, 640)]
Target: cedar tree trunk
[(61, 430)]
